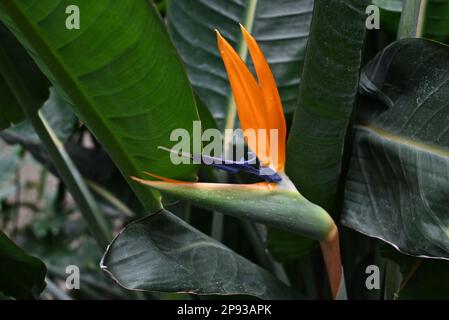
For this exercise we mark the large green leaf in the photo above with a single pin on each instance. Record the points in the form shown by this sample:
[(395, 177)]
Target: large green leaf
[(21, 276), (10, 112), (280, 27), (121, 73), (326, 99), (163, 253), (398, 182)]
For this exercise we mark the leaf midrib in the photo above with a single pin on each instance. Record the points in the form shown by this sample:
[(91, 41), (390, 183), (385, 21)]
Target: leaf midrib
[(71, 86), (386, 135)]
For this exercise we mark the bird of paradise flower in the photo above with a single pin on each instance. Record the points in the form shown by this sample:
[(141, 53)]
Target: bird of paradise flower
[(276, 202)]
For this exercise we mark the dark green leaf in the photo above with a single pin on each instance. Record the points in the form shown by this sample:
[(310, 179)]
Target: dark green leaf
[(398, 182), (286, 246), (207, 120), (21, 276), (10, 111), (326, 99), (59, 117), (280, 27), (436, 24), (390, 14), (121, 73), (163, 253)]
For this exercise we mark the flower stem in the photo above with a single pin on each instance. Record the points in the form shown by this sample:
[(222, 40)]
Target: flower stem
[(331, 254), (330, 248)]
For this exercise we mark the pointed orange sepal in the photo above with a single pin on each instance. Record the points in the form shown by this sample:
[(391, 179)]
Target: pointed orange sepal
[(273, 104), (258, 103)]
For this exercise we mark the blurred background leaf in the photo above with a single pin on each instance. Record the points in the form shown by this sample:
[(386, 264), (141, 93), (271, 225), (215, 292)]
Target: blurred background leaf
[(280, 27)]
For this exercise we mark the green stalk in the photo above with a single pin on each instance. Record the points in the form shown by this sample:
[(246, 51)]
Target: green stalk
[(412, 19), (392, 280), (110, 198), (62, 162)]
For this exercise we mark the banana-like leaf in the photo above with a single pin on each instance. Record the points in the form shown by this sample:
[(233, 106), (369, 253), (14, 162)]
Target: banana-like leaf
[(121, 73), (280, 27), (10, 111), (436, 23), (163, 253), (326, 99), (21, 276), (398, 182), (260, 202)]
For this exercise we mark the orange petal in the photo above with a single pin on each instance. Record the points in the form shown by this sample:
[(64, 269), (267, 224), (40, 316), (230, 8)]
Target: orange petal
[(247, 94), (270, 91)]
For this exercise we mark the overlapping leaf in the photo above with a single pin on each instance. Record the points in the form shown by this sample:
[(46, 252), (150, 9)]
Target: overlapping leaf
[(163, 253), (326, 99), (280, 27), (10, 112), (59, 116), (398, 183), (121, 73), (21, 276)]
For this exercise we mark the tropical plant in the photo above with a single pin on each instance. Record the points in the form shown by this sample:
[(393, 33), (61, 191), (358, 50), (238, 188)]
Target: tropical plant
[(362, 149)]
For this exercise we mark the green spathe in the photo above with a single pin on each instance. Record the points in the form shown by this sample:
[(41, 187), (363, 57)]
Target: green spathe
[(260, 202)]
